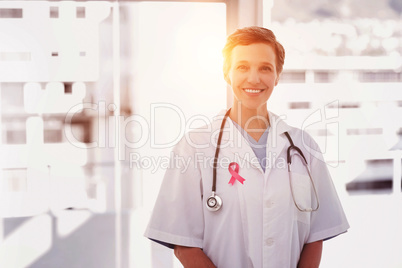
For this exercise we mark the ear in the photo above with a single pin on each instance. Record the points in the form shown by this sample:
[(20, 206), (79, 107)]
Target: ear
[(227, 79), (277, 79)]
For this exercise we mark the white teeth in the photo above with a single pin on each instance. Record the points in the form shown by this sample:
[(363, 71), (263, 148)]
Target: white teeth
[(252, 90)]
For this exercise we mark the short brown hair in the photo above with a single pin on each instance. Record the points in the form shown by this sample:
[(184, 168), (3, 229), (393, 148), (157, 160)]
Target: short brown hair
[(251, 35)]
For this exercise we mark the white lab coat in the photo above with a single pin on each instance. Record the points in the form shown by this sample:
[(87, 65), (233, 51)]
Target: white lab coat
[(258, 224)]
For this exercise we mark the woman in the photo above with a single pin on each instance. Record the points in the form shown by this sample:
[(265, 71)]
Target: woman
[(261, 213)]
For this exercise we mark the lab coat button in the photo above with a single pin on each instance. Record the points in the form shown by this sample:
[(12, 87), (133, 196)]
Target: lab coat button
[(268, 204), (269, 241)]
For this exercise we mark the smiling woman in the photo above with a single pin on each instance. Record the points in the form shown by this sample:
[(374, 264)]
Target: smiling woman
[(251, 213), (252, 77)]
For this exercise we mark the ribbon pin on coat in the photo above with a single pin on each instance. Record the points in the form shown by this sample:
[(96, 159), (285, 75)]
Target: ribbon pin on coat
[(234, 171)]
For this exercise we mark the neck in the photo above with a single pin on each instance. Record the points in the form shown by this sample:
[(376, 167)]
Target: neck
[(250, 119)]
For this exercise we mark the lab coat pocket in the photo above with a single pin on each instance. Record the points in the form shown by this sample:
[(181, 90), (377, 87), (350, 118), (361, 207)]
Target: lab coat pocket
[(301, 193)]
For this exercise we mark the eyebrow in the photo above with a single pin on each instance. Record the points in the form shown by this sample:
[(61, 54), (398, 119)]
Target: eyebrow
[(262, 63), (267, 63)]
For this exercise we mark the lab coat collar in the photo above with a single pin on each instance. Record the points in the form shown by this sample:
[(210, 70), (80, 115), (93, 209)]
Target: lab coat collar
[(276, 141), (233, 141)]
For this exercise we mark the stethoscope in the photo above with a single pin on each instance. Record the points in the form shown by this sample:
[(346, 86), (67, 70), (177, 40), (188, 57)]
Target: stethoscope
[(214, 202)]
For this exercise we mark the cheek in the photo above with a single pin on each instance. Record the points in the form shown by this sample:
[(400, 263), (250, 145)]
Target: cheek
[(271, 80), (237, 79)]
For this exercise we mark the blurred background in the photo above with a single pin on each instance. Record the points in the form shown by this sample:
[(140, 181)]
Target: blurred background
[(94, 94)]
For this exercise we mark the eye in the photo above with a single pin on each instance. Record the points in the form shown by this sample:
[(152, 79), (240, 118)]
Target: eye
[(242, 68), (266, 68)]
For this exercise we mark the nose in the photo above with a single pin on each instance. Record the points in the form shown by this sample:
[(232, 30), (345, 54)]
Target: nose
[(253, 77)]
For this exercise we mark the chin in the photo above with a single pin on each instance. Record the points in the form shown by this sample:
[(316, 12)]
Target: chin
[(253, 105)]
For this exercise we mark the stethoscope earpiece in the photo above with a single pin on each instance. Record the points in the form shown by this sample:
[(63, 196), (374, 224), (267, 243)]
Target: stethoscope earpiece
[(214, 202)]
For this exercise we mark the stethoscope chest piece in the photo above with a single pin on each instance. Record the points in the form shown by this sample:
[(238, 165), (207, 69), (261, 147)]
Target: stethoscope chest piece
[(214, 202)]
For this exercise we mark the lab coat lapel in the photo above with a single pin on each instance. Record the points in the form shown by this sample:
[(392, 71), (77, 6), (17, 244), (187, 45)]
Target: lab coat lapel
[(234, 145), (276, 141)]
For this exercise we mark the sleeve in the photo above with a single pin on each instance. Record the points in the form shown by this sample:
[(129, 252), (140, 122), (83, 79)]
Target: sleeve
[(177, 218), (171, 246), (330, 219)]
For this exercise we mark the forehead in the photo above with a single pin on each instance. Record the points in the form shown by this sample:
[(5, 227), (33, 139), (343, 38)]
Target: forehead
[(258, 52)]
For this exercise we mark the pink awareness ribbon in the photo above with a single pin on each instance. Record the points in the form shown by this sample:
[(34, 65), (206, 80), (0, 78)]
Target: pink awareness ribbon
[(234, 171)]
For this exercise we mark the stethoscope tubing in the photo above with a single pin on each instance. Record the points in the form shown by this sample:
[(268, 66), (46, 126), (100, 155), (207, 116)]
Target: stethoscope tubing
[(214, 202), (218, 145)]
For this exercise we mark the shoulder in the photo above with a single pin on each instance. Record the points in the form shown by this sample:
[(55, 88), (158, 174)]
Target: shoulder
[(300, 137), (303, 137)]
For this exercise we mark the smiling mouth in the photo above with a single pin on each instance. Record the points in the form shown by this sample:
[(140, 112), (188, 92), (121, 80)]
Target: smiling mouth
[(252, 90)]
